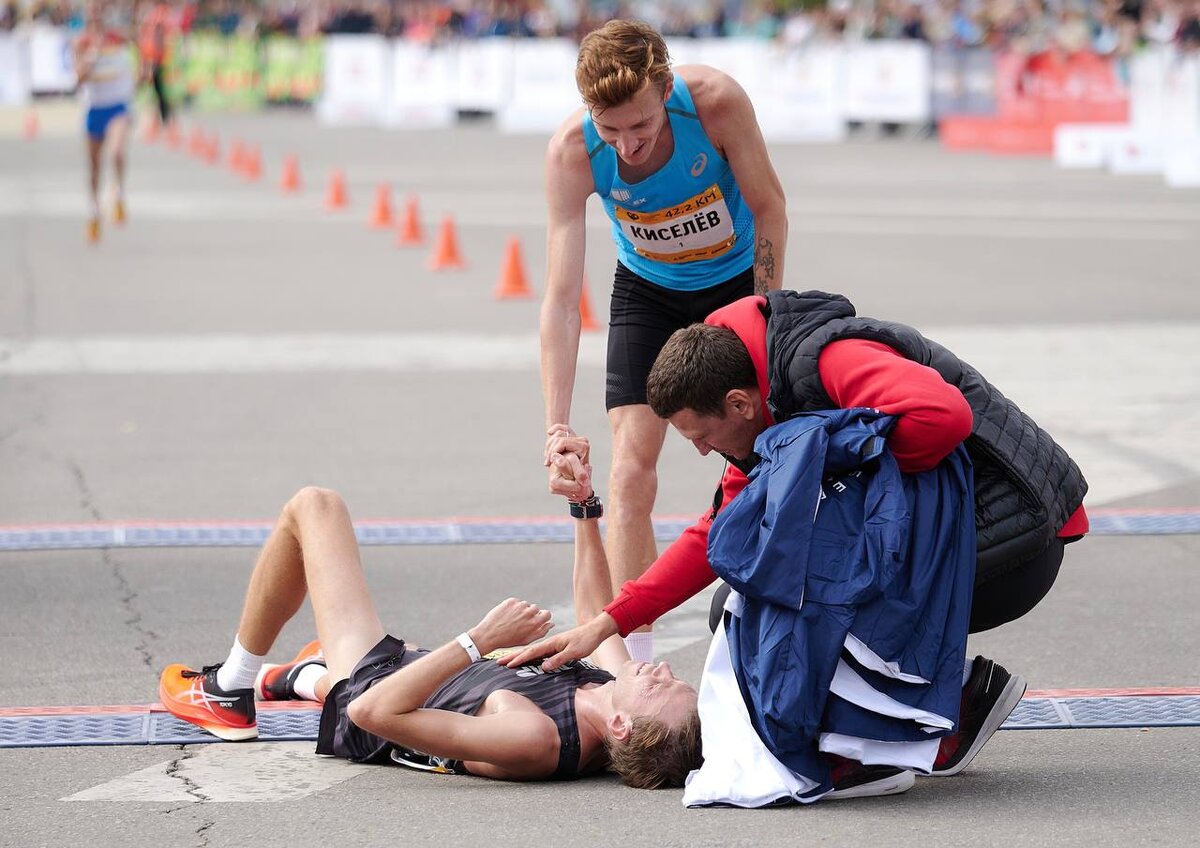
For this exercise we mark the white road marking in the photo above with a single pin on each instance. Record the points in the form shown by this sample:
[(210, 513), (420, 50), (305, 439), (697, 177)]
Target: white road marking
[(1124, 399), (226, 201), (244, 772)]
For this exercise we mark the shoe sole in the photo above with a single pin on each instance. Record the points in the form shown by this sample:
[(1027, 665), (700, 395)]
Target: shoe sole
[(205, 722), (1009, 698), (893, 784)]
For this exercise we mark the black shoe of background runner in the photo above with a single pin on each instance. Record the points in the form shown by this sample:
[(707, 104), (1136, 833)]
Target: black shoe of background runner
[(991, 694), (852, 779)]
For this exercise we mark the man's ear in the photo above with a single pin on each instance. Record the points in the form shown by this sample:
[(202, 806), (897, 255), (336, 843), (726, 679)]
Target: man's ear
[(619, 726), (742, 403)]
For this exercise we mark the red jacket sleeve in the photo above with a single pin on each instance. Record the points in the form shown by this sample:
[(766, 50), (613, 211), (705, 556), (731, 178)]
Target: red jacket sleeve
[(679, 573), (932, 416)]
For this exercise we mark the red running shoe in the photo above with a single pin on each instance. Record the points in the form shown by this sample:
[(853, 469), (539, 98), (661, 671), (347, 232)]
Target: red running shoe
[(277, 682), (194, 696)]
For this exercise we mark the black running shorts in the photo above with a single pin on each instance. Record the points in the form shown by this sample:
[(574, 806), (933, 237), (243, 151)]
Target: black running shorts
[(641, 319), (337, 734)]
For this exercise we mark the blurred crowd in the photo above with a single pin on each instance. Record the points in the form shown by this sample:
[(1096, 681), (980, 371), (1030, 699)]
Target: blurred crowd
[(1108, 27)]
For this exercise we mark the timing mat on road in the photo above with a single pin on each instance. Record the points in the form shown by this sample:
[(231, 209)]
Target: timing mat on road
[(453, 531), (148, 724)]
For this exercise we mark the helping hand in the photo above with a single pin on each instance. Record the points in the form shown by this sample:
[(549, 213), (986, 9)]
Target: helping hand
[(562, 648), (567, 456)]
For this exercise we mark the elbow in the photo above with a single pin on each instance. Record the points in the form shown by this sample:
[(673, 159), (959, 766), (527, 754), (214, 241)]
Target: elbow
[(961, 422), (364, 715)]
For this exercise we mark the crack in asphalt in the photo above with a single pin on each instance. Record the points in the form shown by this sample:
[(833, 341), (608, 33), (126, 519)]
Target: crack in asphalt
[(190, 786), (128, 596)]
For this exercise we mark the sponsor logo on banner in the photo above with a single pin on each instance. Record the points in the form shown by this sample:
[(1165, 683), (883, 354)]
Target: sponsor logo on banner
[(700, 227)]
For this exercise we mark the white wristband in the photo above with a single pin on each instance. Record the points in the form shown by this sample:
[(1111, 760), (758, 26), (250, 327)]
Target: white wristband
[(468, 645)]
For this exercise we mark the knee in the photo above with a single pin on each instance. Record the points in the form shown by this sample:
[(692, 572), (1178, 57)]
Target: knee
[(314, 500), (632, 478)]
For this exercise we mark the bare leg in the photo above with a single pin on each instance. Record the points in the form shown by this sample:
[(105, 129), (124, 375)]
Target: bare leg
[(118, 132), (312, 547), (632, 487), (94, 147)]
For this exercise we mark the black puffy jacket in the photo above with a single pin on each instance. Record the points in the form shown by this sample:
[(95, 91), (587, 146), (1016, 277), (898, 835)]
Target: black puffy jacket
[(1026, 487)]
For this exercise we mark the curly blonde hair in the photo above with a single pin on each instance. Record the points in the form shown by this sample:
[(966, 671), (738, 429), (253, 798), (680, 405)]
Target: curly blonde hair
[(656, 755), (618, 60)]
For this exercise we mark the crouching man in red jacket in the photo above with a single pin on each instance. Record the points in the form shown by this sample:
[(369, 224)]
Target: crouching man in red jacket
[(766, 359)]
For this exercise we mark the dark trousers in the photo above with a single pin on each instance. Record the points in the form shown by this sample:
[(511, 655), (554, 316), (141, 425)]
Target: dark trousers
[(998, 601), (160, 92)]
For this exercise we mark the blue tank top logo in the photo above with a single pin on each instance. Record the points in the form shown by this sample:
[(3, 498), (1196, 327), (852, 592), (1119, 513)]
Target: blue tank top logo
[(686, 226)]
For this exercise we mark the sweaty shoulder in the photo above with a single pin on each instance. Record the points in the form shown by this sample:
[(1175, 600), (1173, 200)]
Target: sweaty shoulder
[(721, 103), (567, 147)]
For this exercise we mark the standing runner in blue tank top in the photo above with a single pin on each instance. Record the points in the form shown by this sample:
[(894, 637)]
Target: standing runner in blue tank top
[(699, 220)]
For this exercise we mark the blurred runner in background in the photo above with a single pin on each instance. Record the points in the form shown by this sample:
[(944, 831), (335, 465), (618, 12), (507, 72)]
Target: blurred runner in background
[(105, 73)]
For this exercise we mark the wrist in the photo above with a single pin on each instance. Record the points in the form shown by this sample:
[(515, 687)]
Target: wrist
[(477, 635), (587, 509), (602, 626)]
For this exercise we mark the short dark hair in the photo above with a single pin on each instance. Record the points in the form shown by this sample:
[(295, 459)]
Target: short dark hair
[(696, 368)]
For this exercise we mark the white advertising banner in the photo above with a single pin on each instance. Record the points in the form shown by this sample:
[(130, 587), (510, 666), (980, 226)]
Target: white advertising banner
[(423, 85), (51, 66), (888, 81), (1181, 162), (805, 102), (484, 69), (1136, 152), (1085, 145), (543, 87), (357, 80), (14, 70), (1165, 92)]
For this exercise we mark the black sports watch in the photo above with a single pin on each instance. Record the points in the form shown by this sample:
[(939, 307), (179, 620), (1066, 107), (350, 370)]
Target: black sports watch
[(585, 509)]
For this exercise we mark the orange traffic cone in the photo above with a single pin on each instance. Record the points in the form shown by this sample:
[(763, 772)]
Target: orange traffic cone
[(335, 198), (587, 321), (196, 143), (173, 137), (31, 125), (381, 213), (290, 182), (212, 150), (410, 232), (150, 134), (513, 284), (252, 164), (237, 156), (445, 254)]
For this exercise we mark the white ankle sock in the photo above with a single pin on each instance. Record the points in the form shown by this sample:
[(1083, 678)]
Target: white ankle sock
[(970, 664), (305, 683), (640, 646), (239, 669)]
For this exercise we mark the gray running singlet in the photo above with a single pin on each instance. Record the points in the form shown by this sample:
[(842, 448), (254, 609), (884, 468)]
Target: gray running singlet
[(553, 692)]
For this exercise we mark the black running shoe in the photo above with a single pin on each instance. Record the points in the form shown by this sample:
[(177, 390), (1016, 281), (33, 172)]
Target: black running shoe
[(991, 694), (852, 779)]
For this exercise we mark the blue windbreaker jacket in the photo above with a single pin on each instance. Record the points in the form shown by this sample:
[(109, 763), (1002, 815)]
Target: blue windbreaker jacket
[(833, 548)]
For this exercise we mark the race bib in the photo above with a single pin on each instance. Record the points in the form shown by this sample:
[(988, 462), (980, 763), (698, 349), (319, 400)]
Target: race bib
[(699, 228)]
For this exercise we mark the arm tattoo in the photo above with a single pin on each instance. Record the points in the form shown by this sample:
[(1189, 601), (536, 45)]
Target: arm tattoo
[(764, 265)]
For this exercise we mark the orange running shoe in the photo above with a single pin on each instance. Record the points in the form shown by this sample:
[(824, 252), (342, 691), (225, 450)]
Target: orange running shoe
[(195, 696), (277, 682), (93, 230), (119, 212)]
